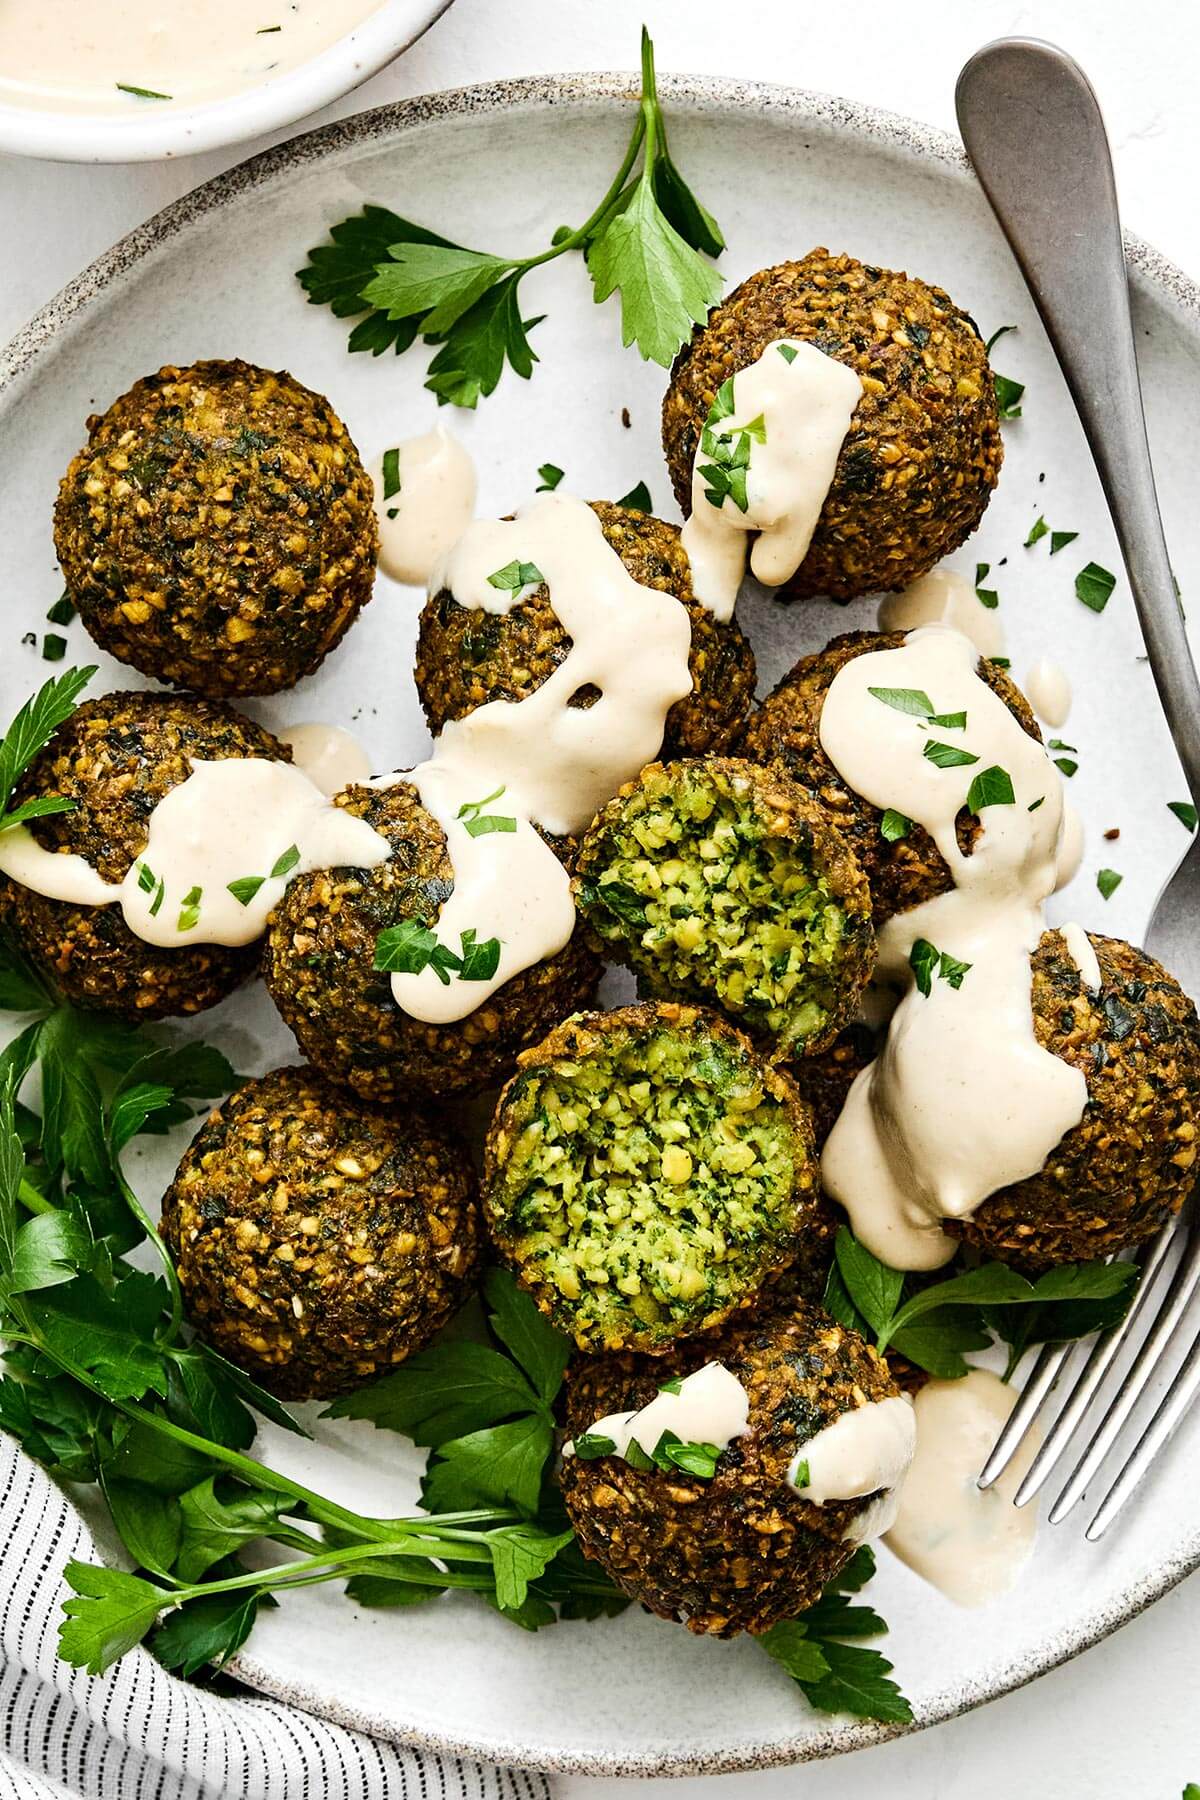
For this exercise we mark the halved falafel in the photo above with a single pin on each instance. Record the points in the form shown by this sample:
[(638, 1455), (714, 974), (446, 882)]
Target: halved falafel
[(786, 729), (743, 1550), (923, 451), (646, 1173), (722, 882), (318, 966), (466, 656), (217, 530), (319, 1243), (116, 758), (1130, 1163)]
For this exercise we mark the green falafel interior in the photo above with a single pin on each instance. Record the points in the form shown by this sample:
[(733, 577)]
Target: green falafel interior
[(721, 880), (646, 1173)]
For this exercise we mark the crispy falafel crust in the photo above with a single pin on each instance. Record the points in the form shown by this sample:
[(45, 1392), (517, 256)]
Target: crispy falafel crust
[(923, 451), (116, 757), (744, 1550), (1129, 1164), (777, 819), (466, 656), (786, 729), (319, 1243), (320, 949), (218, 528), (718, 1051)]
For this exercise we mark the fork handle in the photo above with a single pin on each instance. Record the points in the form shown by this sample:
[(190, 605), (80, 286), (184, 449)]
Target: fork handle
[(1034, 132)]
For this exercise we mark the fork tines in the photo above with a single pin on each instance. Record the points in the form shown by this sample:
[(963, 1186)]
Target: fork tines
[(1079, 1400)]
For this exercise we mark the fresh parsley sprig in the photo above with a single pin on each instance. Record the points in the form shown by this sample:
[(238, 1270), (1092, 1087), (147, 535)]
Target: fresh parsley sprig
[(935, 1323), (836, 1676), (411, 947), (29, 733), (647, 240)]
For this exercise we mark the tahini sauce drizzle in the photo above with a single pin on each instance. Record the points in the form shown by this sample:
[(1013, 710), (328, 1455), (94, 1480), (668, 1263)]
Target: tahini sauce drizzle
[(863, 1451), (332, 759), (422, 521), (556, 764), (962, 1100), (969, 1542), (69, 56), (231, 819), (944, 597), (800, 405), (1048, 690), (711, 1407)]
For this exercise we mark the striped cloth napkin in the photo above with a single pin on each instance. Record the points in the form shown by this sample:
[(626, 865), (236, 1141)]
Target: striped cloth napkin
[(139, 1733)]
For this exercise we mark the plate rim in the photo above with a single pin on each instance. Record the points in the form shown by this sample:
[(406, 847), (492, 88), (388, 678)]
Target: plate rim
[(531, 94)]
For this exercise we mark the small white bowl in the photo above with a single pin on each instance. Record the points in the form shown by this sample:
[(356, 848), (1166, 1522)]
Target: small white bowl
[(153, 132)]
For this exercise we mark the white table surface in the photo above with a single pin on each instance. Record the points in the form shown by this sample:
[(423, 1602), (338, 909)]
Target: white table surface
[(1122, 1720)]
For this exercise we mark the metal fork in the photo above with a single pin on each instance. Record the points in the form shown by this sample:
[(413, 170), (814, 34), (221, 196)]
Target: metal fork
[(1033, 130)]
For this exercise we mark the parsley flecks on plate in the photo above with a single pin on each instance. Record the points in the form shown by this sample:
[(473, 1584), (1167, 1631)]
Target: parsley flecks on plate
[(648, 240), (1009, 393), (986, 596), (1094, 586), (1108, 881)]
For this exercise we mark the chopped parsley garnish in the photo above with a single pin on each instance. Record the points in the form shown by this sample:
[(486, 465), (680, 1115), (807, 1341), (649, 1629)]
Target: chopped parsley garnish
[(590, 1444), (1009, 393), (1094, 586), (516, 575), (189, 912), (788, 352), (674, 1386), (991, 787), (391, 473), (410, 948), (286, 863), (1058, 539), (1108, 881), (160, 894), (480, 824), (1034, 804), (127, 87), (946, 756), (263, 30), (1066, 763), (54, 647), (729, 449), (802, 1476), (949, 721), (986, 596), (894, 825), (926, 960), (648, 239), (637, 499), (146, 878), (245, 888), (1185, 812), (913, 701), (63, 610), (1000, 662), (549, 476)]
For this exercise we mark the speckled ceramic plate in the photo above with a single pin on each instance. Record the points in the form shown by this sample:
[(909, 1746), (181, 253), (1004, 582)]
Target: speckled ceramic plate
[(784, 171)]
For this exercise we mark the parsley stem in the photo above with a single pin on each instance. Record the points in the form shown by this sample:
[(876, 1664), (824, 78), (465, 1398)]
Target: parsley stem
[(574, 239), (33, 1200), (307, 1570)]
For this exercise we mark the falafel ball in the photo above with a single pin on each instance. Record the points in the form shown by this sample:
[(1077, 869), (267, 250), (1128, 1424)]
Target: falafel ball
[(1129, 1164), (722, 882), (218, 530), (116, 757), (646, 1173), (743, 1550), (923, 451), (466, 656), (825, 1079), (318, 966), (786, 729), (319, 1243)]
